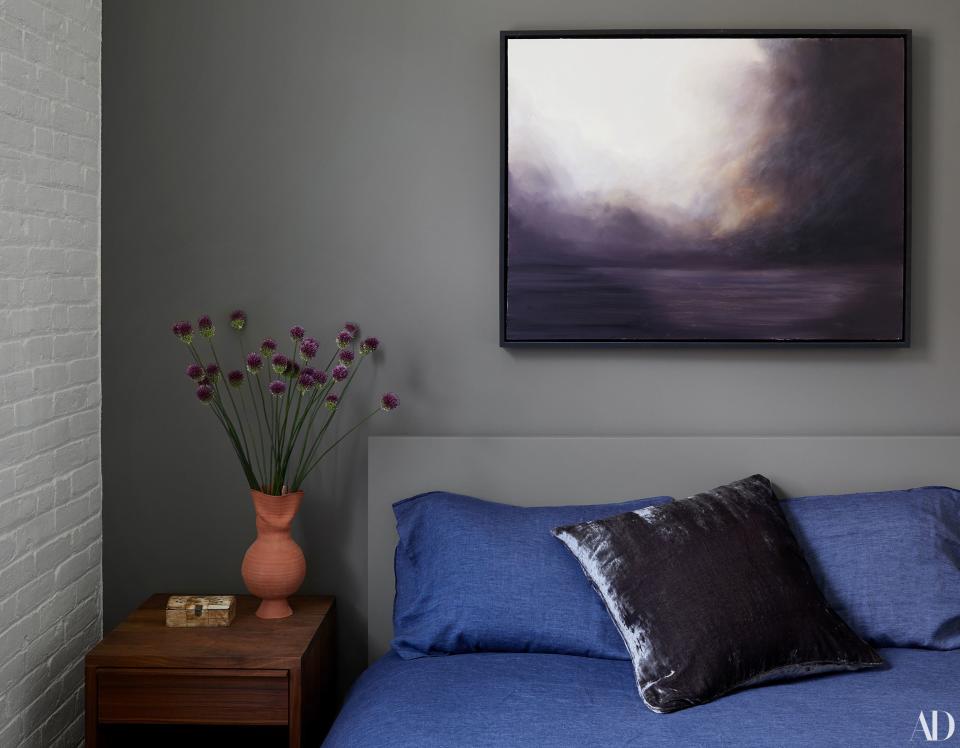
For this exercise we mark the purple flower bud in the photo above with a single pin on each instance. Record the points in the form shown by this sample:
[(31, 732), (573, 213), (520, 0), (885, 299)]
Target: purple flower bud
[(343, 339), (184, 331), (279, 363), (389, 401), (352, 329), (296, 332), (369, 346), (235, 378), (321, 376), (268, 347), (346, 357), (277, 388), (213, 372), (293, 369), (331, 402), (340, 372), (254, 362), (195, 372), (305, 381), (205, 326), (238, 319), (205, 393), (309, 348)]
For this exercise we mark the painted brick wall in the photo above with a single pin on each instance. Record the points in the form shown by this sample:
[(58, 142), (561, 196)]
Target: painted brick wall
[(50, 588)]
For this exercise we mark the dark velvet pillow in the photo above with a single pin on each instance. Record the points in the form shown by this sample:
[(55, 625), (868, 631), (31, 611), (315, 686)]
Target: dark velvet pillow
[(711, 594)]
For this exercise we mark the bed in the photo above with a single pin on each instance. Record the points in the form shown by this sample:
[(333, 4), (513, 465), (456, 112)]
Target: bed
[(509, 699), (532, 699)]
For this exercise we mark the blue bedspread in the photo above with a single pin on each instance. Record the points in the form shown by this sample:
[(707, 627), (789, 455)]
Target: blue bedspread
[(560, 700)]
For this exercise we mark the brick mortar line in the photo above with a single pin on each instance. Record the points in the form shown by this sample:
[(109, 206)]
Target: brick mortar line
[(39, 486), (5, 16), (47, 450), (51, 540), (58, 680), (15, 528), (60, 160), (20, 619)]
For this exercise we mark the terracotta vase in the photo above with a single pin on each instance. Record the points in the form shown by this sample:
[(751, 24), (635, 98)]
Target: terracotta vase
[(274, 566)]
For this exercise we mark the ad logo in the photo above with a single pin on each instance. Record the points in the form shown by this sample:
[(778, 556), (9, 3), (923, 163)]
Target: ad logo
[(939, 727)]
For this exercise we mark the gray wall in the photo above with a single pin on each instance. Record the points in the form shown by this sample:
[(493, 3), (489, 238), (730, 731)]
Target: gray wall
[(321, 161)]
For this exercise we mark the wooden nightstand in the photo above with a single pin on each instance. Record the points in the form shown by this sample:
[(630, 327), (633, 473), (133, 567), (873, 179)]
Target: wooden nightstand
[(254, 672)]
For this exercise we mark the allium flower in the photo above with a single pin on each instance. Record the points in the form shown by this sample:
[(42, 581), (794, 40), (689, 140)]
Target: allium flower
[(235, 378), (352, 329), (195, 372), (254, 362), (213, 372), (296, 332), (346, 357), (331, 402), (277, 388), (184, 331), (369, 346), (321, 376), (238, 319), (293, 369), (279, 363), (205, 393), (340, 372), (268, 347), (344, 339), (305, 381), (309, 348), (205, 326), (389, 401)]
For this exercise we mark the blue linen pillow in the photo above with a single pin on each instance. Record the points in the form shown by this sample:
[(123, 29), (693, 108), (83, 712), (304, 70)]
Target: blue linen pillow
[(474, 576), (887, 562)]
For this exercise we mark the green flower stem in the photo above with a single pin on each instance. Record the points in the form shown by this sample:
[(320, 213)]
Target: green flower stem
[(269, 427), (325, 452), (275, 479), (320, 399), (317, 398), (294, 432), (266, 452), (256, 438), (219, 413), (225, 421), (299, 477), (233, 404), (261, 442)]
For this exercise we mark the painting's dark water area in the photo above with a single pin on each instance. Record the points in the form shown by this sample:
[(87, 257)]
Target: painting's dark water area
[(560, 302)]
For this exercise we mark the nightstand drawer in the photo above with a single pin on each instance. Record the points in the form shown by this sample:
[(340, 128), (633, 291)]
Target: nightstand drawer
[(167, 695)]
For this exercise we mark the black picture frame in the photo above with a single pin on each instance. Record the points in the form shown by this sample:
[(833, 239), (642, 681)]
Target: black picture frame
[(505, 36)]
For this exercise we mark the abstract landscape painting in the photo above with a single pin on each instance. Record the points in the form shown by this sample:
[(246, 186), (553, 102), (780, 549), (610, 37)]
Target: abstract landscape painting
[(706, 188)]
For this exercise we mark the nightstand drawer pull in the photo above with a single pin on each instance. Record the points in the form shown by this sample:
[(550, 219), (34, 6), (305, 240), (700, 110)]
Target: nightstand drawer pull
[(170, 695)]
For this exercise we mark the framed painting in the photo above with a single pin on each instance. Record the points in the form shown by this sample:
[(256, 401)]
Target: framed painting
[(705, 187)]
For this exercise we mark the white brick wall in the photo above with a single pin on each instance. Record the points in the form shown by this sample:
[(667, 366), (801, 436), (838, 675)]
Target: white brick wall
[(50, 598)]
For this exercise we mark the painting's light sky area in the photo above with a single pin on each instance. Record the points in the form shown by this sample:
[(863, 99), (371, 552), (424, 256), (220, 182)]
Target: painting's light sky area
[(668, 126)]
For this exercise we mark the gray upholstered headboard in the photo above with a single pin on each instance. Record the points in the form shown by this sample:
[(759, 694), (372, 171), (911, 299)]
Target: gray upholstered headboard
[(540, 470)]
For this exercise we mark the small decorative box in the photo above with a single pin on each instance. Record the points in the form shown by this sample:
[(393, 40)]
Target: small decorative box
[(208, 610)]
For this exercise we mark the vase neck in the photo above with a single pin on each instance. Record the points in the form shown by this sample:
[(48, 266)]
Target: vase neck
[(276, 512)]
